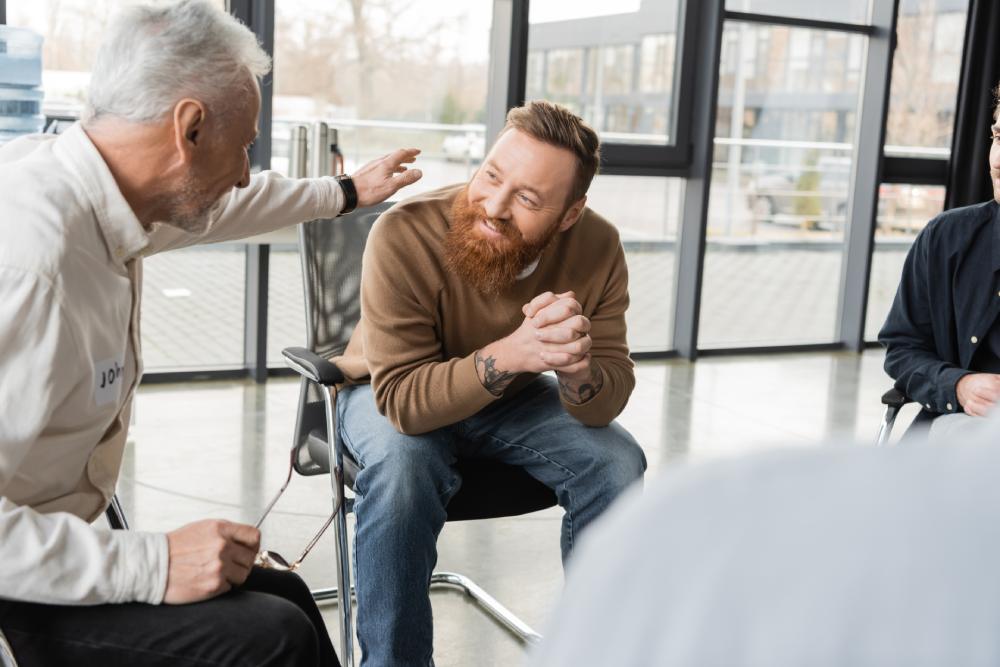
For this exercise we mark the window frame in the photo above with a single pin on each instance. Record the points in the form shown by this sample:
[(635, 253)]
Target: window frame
[(623, 159), (696, 53), (908, 170)]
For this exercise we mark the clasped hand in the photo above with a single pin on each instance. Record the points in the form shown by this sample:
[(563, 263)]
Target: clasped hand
[(554, 335), (978, 393)]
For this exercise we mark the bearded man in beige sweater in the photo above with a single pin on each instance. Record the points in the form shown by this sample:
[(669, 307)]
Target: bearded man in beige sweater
[(465, 308)]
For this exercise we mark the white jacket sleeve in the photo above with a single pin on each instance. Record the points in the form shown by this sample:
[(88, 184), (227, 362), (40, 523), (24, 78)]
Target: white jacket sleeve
[(271, 201), (61, 559), (55, 558)]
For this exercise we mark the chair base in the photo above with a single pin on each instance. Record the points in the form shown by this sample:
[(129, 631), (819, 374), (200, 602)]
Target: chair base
[(6, 653), (489, 604)]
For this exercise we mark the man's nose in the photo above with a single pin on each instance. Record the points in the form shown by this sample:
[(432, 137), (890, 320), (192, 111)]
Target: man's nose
[(496, 205)]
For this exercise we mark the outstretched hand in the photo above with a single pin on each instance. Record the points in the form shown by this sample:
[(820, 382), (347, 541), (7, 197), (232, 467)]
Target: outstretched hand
[(383, 177)]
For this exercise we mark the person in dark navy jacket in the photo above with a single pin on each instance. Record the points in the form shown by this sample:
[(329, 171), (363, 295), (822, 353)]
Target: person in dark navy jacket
[(942, 337)]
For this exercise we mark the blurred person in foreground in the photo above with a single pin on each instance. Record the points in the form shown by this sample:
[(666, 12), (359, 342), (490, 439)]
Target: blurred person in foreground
[(831, 557), (941, 336), (470, 295), (159, 161)]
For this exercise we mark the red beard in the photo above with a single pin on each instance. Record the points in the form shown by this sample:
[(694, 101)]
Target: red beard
[(489, 265)]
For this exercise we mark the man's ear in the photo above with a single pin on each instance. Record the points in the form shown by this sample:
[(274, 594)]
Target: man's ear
[(573, 214), (189, 127)]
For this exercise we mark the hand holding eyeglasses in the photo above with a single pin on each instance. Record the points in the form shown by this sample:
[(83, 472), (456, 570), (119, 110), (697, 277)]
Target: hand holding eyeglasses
[(207, 558), (272, 559)]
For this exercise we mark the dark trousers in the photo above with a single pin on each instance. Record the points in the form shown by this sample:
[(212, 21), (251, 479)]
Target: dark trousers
[(270, 620)]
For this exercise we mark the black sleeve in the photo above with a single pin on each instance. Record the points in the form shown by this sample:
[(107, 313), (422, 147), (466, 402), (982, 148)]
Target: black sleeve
[(911, 357)]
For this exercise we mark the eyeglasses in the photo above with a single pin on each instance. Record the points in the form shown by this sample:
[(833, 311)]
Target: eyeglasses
[(272, 559)]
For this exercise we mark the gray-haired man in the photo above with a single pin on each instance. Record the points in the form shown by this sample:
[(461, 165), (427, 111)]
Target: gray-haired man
[(159, 162)]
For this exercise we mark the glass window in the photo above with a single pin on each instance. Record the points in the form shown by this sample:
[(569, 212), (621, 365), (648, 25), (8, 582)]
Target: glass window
[(903, 210), (427, 90), (844, 11), (610, 71), (834, 62), (784, 151), (565, 73), (614, 65), (72, 30), (536, 71), (192, 308), (798, 49), (656, 69), (286, 316), (646, 211), (949, 36), (925, 73)]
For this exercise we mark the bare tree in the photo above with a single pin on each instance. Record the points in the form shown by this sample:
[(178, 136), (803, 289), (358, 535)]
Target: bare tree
[(918, 114), (374, 56)]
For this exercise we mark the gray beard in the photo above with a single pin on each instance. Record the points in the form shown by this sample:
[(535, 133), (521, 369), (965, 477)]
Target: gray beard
[(195, 222)]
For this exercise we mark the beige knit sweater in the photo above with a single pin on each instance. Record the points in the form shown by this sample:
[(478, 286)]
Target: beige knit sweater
[(421, 324)]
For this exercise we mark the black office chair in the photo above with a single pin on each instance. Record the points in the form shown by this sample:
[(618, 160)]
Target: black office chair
[(331, 273)]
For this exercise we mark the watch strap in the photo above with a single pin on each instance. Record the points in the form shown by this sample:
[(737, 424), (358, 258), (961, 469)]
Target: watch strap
[(350, 194)]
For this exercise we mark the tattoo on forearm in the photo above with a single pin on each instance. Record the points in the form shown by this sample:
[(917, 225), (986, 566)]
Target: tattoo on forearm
[(493, 379), (584, 391)]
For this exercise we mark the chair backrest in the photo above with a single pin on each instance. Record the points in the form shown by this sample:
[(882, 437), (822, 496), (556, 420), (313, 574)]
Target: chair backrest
[(331, 252)]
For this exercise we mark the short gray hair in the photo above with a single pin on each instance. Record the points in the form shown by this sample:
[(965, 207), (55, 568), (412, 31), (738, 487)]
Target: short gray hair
[(155, 55)]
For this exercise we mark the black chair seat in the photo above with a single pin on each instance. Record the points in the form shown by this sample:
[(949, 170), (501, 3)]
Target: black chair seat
[(490, 489)]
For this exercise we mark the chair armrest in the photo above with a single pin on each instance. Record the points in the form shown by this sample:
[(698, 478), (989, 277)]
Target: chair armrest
[(894, 398), (312, 366)]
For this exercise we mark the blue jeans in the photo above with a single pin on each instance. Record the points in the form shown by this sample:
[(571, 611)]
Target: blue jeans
[(406, 482)]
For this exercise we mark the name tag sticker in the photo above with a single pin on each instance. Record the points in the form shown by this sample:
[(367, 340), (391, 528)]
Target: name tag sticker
[(107, 381)]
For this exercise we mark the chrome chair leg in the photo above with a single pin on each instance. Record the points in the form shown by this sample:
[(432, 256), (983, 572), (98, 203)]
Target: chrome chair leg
[(115, 514), (885, 428), (484, 600), (343, 583), (331, 594), (6, 653), (487, 603), (343, 555)]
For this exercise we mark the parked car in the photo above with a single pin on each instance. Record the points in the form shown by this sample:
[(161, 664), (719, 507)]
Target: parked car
[(467, 147), (816, 198), (811, 197)]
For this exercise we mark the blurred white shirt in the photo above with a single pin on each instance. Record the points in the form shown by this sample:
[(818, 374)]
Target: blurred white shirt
[(841, 556)]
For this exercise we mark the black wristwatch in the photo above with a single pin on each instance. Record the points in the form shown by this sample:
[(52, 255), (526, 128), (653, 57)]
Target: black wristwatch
[(350, 194)]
